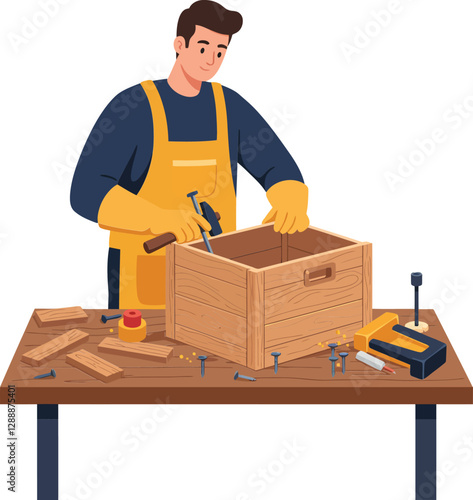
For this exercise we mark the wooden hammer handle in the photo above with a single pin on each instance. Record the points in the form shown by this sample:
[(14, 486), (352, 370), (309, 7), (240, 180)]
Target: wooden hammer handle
[(162, 240)]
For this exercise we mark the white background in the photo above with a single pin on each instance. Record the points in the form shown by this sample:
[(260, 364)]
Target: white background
[(347, 120)]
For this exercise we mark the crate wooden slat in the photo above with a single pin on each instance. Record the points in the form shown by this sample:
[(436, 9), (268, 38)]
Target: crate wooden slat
[(261, 291)]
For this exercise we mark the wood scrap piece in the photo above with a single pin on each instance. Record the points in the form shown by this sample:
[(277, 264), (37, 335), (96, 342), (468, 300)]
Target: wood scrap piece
[(152, 352), (60, 316), (94, 366), (50, 350)]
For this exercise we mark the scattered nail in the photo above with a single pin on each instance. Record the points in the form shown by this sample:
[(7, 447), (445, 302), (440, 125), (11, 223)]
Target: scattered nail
[(333, 347), (106, 318), (333, 359), (276, 356), (237, 375), (343, 355), (52, 373), (202, 365)]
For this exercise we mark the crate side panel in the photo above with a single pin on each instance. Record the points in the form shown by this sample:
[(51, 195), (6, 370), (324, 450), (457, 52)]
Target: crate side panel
[(210, 344), (236, 244), (216, 323), (296, 299), (293, 271), (261, 259), (211, 265), (309, 324), (314, 241), (211, 291), (312, 344)]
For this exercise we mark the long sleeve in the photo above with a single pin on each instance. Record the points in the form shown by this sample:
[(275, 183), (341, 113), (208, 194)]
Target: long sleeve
[(117, 152), (260, 151)]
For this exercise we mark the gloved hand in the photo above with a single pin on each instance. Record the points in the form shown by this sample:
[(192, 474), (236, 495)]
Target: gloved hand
[(124, 211), (289, 200)]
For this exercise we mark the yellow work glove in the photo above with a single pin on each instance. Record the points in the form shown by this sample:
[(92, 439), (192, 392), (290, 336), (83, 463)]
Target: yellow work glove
[(124, 211), (289, 201)]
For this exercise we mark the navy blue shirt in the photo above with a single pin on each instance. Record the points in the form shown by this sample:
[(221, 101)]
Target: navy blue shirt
[(119, 147)]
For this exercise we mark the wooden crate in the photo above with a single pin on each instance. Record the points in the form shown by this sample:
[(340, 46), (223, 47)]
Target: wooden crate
[(262, 292)]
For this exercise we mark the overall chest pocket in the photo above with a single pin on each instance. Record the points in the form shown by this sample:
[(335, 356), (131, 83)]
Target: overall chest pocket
[(194, 175)]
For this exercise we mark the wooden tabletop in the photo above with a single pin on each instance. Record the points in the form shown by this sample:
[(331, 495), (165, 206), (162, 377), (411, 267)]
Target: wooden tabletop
[(306, 380)]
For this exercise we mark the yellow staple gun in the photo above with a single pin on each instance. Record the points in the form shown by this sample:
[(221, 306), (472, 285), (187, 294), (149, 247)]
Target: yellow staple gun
[(389, 340)]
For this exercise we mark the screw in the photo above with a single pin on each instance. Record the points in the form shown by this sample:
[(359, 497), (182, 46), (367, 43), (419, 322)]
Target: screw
[(52, 373), (333, 359), (199, 211), (237, 375), (333, 347), (416, 282), (343, 355), (106, 318), (276, 356), (202, 365)]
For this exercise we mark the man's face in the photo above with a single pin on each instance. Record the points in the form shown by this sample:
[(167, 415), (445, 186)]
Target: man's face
[(205, 54)]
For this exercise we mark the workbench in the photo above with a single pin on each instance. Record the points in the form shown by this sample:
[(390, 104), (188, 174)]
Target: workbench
[(306, 380)]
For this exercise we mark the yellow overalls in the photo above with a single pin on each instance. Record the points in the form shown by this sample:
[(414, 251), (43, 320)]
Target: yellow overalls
[(176, 169)]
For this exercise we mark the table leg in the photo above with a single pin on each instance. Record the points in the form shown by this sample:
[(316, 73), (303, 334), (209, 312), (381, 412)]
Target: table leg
[(47, 452), (426, 452)]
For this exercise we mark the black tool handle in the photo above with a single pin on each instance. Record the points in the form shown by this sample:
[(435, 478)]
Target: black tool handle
[(162, 240)]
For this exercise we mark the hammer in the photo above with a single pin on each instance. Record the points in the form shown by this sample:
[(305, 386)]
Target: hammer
[(162, 240)]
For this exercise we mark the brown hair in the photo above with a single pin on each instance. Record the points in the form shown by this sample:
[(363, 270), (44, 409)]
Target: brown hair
[(210, 15)]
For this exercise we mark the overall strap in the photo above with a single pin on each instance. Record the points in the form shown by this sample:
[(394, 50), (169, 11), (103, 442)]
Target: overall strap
[(221, 111), (160, 125)]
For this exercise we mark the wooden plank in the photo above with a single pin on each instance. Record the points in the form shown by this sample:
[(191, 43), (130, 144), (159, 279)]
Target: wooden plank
[(211, 291), (94, 366), (211, 265), (61, 316), (170, 289), (59, 345), (296, 299), (292, 272), (260, 260), (367, 283), (210, 344), (140, 350), (315, 240), (222, 325), (310, 345), (316, 322), (255, 320), (242, 242)]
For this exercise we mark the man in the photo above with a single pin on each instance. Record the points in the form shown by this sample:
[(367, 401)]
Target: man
[(157, 141)]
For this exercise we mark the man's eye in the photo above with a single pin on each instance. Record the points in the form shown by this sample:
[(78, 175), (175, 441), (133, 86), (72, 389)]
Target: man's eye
[(219, 54), (202, 50)]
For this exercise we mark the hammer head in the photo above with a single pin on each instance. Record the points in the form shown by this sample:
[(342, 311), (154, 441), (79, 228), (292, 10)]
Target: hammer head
[(209, 214)]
